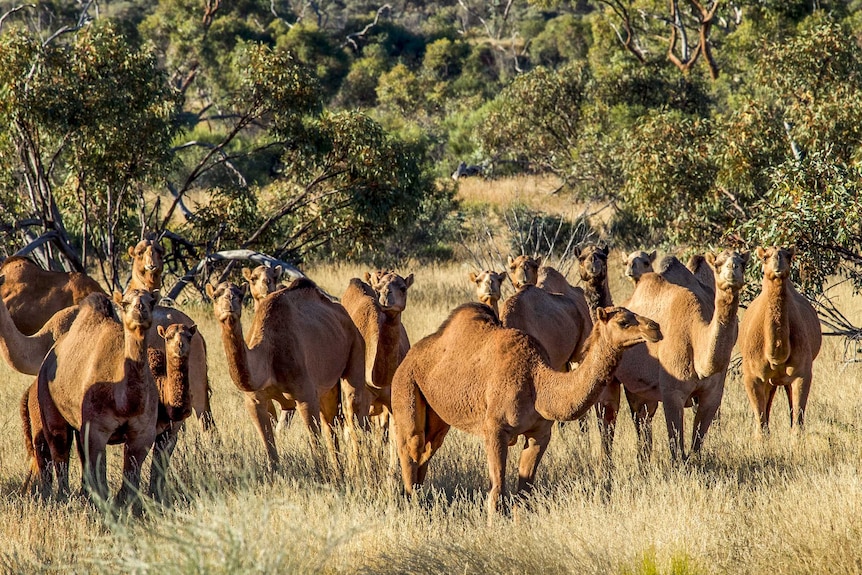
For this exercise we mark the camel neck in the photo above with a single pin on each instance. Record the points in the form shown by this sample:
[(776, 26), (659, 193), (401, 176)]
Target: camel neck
[(598, 294), (173, 389), (491, 302), (22, 353), (564, 396), (150, 281), (236, 351), (777, 321), (135, 366), (719, 336)]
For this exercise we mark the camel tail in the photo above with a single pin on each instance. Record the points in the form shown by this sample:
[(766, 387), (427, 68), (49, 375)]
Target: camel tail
[(27, 428)]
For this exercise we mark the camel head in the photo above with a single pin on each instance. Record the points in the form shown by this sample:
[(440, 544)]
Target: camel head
[(262, 280), (638, 263), (174, 392), (137, 306), (148, 261), (729, 269), (625, 328), (776, 261), (488, 285), (391, 290), (227, 300), (593, 262), (524, 270)]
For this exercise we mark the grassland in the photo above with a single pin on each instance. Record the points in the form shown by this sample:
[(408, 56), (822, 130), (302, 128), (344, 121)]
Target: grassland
[(790, 503)]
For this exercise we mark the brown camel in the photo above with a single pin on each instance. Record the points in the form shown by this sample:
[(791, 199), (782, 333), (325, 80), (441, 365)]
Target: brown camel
[(495, 382), (700, 269), (32, 295), (524, 270), (299, 345), (593, 269), (488, 287), (262, 281), (779, 339), (638, 263), (97, 381), (147, 265), (171, 377), (690, 363)]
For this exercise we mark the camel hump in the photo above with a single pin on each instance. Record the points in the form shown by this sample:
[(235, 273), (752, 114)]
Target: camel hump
[(301, 283), (363, 287), (12, 260), (101, 304)]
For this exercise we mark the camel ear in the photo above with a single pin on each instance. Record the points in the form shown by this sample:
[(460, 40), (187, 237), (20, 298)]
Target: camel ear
[(539, 260), (160, 329), (367, 277), (193, 329), (118, 297), (278, 271), (244, 290), (710, 259), (511, 263), (792, 251), (745, 257), (760, 252), (652, 256), (132, 252), (409, 280), (210, 291), (473, 277), (602, 314), (246, 273), (500, 276)]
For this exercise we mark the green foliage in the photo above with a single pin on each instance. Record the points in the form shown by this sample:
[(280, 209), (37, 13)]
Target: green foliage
[(319, 52)]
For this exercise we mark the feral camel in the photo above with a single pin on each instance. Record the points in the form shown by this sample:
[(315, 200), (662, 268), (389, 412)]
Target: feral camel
[(524, 270), (147, 267), (690, 363), (97, 380), (779, 339), (171, 376), (32, 295), (488, 287), (480, 377), (262, 281), (638, 263), (593, 269), (299, 345)]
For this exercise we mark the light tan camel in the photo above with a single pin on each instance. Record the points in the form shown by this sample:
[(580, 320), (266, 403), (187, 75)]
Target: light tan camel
[(524, 270), (690, 363), (488, 287), (779, 339), (638, 263), (495, 382), (147, 265), (32, 295), (170, 370), (97, 381), (262, 281), (299, 345)]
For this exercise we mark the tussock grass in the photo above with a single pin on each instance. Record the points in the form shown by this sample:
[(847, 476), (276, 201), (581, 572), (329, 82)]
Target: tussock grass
[(790, 503)]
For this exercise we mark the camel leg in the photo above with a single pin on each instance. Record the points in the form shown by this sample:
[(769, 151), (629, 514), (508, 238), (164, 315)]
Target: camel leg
[(199, 388), (134, 453), (607, 409), (497, 448), (285, 415), (673, 414), (163, 448), (535, 445), (256, 407), (642, 412), (435, 432), (708, 406), (799, 391), (328, 415), (60, 445), (760, 395), (95, 477), (309, 410), (408, 410)]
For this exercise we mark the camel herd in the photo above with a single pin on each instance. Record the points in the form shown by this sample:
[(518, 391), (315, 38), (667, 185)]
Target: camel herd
[(129, 370)]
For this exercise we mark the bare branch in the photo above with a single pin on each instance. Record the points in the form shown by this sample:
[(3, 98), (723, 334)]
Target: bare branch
[(13, 11), (352, 38)]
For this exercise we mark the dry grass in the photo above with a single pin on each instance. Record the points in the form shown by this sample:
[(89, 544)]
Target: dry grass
[(787, 504)]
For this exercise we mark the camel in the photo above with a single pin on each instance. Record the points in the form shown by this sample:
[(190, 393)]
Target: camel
[(96, 380), (524, 270), (298, 346), (638, 263), (700, 269), (262, 281), (170, 372), (593, 269), (779, 339), (147, 265), (690, 363), (32, 295), (488, 380), (488, 287)]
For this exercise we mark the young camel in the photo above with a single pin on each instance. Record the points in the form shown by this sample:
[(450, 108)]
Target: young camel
[(170, 372), (779, 339), (299, 345), (97, 380), (262, 281), (495, 382), (147, 267), (690, 363), (488, 287), (638, 263), (32, 295)]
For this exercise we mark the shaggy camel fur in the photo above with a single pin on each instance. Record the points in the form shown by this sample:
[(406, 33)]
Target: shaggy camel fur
[(262, 281), (147, 265), (299, 345), (488, 287), (779, 339), (32, 295), (638, 263), (690, 363), (97, 380), (171, 376), (524, 270), (495, 382)]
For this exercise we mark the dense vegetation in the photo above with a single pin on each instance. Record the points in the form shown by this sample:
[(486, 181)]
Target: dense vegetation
[(319, 128)]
